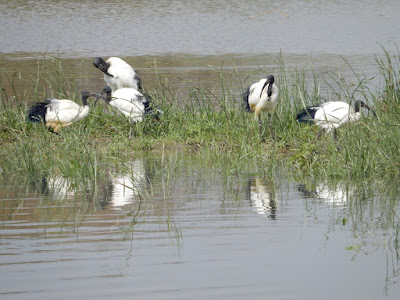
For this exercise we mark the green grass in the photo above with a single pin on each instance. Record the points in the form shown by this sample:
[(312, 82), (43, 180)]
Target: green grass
[(213, 127)]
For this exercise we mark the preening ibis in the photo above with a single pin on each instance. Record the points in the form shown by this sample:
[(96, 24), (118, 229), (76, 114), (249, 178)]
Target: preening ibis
[(262, 96), (118, 74), (57, 114), (331, 115), (129, 102)]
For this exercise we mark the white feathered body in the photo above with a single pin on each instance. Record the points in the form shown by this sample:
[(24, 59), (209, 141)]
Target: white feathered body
[(123, 75), (130, 103), (57, 114), (65, 112), (331, 115), (259, 103)]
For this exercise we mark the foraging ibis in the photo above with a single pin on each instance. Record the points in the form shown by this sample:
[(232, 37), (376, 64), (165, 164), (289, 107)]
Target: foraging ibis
[(57, 114), (331, 115), (129, 102), (118, 74), (262, 96)]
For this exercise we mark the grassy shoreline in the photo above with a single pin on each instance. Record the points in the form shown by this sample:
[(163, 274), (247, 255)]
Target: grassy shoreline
[(211, 126)]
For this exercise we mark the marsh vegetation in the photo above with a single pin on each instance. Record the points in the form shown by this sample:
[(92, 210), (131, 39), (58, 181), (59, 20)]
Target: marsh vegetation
[(209, 125)]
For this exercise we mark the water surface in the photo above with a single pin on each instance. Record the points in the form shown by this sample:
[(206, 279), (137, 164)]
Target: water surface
[(187, 40), (198, 234), (134, 28)]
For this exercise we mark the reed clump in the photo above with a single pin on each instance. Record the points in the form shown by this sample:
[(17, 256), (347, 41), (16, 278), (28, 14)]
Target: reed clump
[(213, 126)]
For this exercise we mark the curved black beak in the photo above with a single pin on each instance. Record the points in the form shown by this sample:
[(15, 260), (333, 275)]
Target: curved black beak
[(107, 91), (97, 97), (270, 80)]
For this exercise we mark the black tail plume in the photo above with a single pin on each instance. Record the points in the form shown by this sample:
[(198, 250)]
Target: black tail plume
[(139, 83), (150, 109), (37, 112), (307, 115), (246, 104)]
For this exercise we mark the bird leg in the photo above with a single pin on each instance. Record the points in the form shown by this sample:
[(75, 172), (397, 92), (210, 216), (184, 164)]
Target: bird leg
[(320, 132), (257, 116), (260, 127), (270, 125), (338, 148)]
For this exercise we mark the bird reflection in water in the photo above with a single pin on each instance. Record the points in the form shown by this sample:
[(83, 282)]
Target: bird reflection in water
[(115, 192), (58, 187), (263, 197), (336, 195), (125, 189)]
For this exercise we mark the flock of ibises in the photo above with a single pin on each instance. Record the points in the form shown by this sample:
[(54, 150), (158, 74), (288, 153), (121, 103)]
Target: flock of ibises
[(124, 93)]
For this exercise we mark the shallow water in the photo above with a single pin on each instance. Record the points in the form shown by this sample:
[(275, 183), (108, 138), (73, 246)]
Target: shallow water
[(135, 28), (197, 234), (185, 41), (192, 80)]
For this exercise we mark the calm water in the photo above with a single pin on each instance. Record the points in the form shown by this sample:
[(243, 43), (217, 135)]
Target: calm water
[(199, 235), (196, 233), (134, 28), (187, 40)]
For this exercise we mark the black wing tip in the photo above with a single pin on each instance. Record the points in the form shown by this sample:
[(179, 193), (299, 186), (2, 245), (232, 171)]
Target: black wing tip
[(37, 112), (306, 115), (246, 104), (150, 109), (153, 112), (139, 82)]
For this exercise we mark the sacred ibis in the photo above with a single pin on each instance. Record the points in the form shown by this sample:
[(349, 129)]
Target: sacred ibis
[(129, 102), (331, 115), (262, 96), (57, 114), (118, 74)]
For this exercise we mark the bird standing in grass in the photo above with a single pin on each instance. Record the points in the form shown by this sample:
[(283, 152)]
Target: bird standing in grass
[(331, 115), (129, 102), (118, 74), (262, 96), (57, 114)]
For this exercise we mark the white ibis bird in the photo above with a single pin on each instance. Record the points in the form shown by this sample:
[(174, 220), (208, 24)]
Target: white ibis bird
[(129, 102), (331, 115), (57, 114), (262, 96), (118, 74)]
